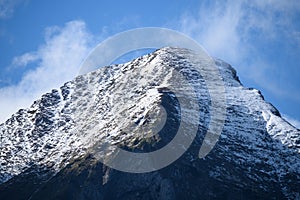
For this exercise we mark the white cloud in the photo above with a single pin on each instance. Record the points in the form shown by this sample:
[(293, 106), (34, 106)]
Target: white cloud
[(216, 29), (7, 8), (241, 32), (57, 61), (25, 59), (225, 27), (292, 121)]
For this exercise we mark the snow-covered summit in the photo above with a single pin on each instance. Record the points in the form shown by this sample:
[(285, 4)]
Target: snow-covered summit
[(257, 147)]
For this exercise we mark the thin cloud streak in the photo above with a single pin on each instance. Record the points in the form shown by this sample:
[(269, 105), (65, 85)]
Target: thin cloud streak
[(25, 59)]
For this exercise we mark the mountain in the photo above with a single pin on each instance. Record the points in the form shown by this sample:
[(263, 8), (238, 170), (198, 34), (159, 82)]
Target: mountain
[(54, 149)]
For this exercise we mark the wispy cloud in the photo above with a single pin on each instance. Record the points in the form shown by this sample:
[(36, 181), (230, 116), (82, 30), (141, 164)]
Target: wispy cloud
[(25, 59), (57, 61), (244, 32), (292, 121), (7, 7), (215, 28)]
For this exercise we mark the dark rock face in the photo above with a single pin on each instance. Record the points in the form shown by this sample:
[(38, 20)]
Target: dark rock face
[(256, 157)]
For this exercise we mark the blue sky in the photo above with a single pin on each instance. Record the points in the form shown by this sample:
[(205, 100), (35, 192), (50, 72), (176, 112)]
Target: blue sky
[(42, 43)]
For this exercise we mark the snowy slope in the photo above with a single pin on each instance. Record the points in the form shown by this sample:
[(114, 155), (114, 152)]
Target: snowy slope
[(261, 148)]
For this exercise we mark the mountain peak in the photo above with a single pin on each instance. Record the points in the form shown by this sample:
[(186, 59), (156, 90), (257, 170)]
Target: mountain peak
[(132, 106)]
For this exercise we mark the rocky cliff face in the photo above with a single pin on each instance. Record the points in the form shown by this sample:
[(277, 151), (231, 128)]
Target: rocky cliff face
[(51, 150)]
